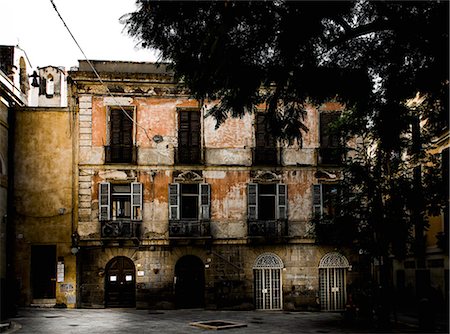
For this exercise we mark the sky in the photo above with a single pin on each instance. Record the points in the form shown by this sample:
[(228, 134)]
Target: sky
[(35, 26)]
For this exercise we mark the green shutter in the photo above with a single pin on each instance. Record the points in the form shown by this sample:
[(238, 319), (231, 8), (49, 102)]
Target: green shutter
[(205, 201), (317, 200), (252, 201), (104, 201), (174, 201), (281, 211), (136, 201)]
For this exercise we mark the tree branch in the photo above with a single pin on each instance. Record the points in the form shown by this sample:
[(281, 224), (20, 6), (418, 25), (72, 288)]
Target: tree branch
[(374, 26)]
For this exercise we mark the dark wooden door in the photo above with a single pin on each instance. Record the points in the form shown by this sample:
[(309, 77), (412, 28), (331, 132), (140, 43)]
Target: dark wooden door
[(43, 271), (120, 285), (190, 282)]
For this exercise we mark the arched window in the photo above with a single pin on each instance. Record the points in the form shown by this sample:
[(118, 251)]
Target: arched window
[(332, 281), (50, 85), (267, 286)]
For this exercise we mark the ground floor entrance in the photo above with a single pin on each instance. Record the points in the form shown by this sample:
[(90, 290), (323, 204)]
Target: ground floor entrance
[(120, 283), (189, 282), (43, 271)]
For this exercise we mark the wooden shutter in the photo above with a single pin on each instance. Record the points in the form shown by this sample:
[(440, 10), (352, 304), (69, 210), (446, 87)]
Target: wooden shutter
[(317, 200), (252, 201), (205, 201), (281, 212), (174, 201), (104, 201), (136, 201)]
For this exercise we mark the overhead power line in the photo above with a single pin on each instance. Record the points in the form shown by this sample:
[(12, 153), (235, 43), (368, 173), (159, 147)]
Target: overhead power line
[(96, 73)]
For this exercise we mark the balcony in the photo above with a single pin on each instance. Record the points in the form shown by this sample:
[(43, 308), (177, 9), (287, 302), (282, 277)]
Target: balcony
[(189, 229), (266, 156), (190, 156), (120, 229), (268, 230), (121, 154), (331, 156)]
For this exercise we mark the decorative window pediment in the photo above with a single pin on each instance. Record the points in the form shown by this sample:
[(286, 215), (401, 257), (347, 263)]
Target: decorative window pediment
[(188, 177), (266, 177)]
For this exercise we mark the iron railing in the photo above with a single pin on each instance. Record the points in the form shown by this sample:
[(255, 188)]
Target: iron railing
[(189, 229), (121, 154), (120, 229), (188, 155), (266, 156), (267, 228), (331, 156)]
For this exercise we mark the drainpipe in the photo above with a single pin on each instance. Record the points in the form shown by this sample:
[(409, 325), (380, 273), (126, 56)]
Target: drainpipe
[(11, 284)]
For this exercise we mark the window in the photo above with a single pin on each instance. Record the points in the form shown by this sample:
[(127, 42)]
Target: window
[(120, 201), (121, 148), (265, 144), (326, 200), (189, 136), (330, 143), (267, 201), (189, 201)]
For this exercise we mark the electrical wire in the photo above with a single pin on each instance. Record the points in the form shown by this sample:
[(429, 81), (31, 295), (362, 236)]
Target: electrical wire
[(96, 73)]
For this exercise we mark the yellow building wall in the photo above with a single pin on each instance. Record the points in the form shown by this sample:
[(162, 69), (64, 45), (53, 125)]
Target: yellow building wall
[(43, 196)]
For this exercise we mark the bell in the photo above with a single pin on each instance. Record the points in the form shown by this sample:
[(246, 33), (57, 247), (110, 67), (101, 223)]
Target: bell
[(35, 77)]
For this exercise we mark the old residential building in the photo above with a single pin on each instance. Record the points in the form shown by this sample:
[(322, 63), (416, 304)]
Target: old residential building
[(174, 213)]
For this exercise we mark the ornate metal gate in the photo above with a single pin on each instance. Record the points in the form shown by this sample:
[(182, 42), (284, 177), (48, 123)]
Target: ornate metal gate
[(267, 282), (332, 280)]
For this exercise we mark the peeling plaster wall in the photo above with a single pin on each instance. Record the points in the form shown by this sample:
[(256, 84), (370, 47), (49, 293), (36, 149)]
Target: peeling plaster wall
[(43, 194), (227, 167)]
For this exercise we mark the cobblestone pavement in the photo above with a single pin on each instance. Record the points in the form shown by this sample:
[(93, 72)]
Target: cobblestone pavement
[(112, 321)]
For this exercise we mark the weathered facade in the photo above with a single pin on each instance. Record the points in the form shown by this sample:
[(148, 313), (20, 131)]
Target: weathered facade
[(175, 213)]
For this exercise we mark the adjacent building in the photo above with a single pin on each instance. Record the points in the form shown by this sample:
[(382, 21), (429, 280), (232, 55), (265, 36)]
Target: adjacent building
[(14, 88)]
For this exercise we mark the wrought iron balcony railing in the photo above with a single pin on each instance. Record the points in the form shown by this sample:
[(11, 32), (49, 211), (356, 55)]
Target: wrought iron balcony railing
[(120, 229), (188, 155), (121, 154), (189, 229), (267, 228), (331, 156), (266, 156)]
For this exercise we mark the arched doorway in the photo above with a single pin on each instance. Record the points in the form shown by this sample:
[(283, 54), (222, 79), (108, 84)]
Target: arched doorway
[(332, 281), (267, 285), (120, 283), (189, 282)]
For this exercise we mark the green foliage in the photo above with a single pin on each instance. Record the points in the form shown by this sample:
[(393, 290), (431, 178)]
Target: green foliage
[(372, 56)]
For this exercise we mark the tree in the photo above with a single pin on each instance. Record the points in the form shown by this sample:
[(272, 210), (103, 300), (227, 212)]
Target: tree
[(372, 56)]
